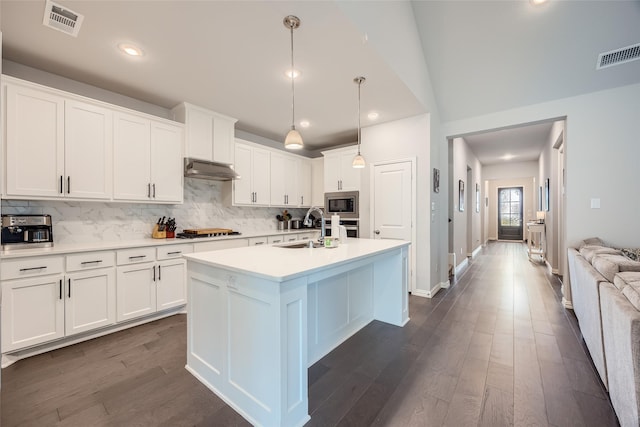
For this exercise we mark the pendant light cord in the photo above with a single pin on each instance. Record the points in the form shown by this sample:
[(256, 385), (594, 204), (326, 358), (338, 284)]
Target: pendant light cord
[(359, 83), (293, 91)]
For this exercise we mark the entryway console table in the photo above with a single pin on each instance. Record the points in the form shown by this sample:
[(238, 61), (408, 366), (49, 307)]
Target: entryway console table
[(536, 247)]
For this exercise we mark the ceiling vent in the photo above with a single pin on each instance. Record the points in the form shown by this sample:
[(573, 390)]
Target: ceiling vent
[(62, 19), (618, 56)]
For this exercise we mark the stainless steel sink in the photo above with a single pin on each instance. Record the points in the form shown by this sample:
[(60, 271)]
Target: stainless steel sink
[(301, 245)]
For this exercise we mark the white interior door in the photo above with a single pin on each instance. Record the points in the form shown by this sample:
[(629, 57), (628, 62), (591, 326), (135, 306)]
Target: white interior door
[(392, 204)]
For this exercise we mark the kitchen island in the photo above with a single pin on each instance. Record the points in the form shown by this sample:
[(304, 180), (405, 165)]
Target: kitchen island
[(258, 317)]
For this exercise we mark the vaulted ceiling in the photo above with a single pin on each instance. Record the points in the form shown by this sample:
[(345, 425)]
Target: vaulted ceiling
[(231, 57)]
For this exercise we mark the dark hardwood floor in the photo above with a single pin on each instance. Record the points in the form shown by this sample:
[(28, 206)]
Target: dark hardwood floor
[(495, 349)]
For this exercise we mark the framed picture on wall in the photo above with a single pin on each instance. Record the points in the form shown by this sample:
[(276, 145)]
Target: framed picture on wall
[(477, 197), (461, 195), (546, 195), (436, 180)]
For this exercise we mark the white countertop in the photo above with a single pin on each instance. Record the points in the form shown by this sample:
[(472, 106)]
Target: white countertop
[(65, 248), (280, 264)]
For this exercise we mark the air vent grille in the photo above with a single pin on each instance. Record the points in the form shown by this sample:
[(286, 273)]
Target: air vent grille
[(618, 56), (62, 19)]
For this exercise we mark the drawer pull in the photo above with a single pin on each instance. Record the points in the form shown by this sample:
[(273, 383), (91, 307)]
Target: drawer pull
[(137, 257), (174, 253), (33, 268), (91, 262)]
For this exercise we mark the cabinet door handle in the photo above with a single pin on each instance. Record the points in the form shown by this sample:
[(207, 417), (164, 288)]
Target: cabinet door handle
[(285, 199), (91, 262), (259, 243), (174, 253), (159, 272), (154, 190), (137, 257), (149, 190), (154, 273), (68, 184), (69, 281), (302, 200), (60, 292), (33, 268), (61, 191)]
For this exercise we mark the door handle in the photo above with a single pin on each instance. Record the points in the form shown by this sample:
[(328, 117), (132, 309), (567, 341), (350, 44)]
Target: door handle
[(60, 294), (68, 185), (149, 190), (61, 191), (69, 281), (377, 231), (154, 190), (159, 273), (154, 273)]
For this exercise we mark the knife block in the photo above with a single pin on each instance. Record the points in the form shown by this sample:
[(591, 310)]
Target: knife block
[(156, 234)]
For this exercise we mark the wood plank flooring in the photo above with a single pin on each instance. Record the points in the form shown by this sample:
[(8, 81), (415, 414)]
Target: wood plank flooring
[(495, 349)]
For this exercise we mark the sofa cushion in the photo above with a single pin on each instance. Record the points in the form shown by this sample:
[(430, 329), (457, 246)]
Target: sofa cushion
[(632, 292), (589, 251), (608, 265), (591, 241), (623, 279)]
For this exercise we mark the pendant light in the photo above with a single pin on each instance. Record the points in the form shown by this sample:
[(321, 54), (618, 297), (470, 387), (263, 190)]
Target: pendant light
[(293, 141), (358, 160)]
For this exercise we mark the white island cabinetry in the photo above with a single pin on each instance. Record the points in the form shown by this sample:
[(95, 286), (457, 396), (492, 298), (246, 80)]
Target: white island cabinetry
[(256, 322)]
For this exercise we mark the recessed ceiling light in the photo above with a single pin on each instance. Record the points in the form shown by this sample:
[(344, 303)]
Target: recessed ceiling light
[(296, 73), (304, 123), (130, 49), (373, 115), (507, 157), (537, 2)]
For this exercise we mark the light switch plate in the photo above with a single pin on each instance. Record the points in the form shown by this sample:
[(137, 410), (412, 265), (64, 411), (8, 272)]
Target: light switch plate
[(595, 203)]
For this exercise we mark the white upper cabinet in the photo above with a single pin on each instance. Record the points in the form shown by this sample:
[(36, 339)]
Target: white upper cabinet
[(166, 163), (35, 142), (284, 180), (208, 135), (253, 166), (304, 183), (63, 146), (339, 175), (147, 160), (87, 150)]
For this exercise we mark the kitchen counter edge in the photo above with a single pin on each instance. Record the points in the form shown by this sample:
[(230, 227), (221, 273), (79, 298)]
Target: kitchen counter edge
[(66, 248)]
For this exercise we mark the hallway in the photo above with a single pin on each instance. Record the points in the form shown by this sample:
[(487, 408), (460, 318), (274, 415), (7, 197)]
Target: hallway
[(495, 349)]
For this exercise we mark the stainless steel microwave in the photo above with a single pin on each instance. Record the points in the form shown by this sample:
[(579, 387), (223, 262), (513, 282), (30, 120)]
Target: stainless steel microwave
[(343, 203)]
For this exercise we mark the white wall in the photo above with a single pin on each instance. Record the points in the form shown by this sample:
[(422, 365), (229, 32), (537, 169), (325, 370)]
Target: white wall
[(402, 139), (467, 230), (510, 170), (601, 136)]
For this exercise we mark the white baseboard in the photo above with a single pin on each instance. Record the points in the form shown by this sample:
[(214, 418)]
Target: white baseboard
[(476, 251), (431, 293), (461, 267)]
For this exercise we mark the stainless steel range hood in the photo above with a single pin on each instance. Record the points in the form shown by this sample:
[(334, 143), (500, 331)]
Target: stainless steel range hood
[(202, 169)]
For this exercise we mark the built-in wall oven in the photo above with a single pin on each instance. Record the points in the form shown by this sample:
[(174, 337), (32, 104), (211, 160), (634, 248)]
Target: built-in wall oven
[(351, 225), (343, 203)]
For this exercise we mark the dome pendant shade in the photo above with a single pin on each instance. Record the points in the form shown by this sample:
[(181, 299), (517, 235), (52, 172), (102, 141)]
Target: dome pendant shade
[(358, 161), (293, 141)]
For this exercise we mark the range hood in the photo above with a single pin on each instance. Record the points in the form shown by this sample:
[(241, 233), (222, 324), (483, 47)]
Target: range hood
[(203, 169)]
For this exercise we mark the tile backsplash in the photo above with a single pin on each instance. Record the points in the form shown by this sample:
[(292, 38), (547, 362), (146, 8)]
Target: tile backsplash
[(86, 222)]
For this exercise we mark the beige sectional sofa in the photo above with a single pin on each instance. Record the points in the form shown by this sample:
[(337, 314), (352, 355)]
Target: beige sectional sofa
[(605, 289)]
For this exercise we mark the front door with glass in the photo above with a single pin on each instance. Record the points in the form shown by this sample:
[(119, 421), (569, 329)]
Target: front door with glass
[(510, 213)]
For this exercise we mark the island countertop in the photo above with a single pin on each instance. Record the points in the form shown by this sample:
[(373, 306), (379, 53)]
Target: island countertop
[(278, 263)]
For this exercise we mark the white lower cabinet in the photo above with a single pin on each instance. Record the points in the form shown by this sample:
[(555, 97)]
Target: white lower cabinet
[(32, 311), (136, 290), (171, 284), (90, 300)]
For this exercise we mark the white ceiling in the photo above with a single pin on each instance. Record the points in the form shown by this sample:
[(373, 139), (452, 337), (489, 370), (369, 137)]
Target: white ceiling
[(230, 56), (521, 144)]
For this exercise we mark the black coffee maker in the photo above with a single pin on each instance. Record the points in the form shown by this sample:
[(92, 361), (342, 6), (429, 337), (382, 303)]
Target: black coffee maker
[(26, 231)]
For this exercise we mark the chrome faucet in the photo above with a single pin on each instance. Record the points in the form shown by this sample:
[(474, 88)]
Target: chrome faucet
[(307, 221)]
